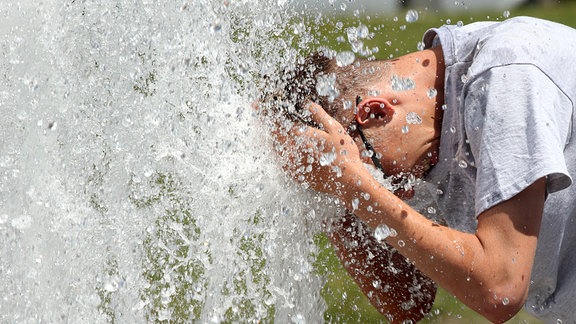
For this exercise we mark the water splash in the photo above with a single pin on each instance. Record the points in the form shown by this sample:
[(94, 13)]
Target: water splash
[(401, 83), (382, 232), (413, 118), (135, 185), (345, 58), (411, 16)]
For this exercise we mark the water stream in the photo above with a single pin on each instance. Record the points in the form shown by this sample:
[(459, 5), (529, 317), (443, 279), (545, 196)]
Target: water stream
[(135, 183)]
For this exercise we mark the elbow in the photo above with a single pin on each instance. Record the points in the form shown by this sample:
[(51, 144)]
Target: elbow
[(500, 313), (501, 303)]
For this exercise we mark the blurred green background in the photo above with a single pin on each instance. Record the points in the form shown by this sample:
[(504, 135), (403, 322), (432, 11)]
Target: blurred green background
[(394, 36)]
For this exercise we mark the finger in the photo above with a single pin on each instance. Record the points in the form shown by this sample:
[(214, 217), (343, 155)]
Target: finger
[(288, 132), (291, 141), (320, 116)]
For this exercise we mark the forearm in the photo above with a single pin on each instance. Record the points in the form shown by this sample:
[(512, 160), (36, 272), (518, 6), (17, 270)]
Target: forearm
[(489, 270), (393, 285), (468, 266)]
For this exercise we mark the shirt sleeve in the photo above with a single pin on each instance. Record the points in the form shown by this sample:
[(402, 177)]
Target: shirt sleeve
[(517, 123)]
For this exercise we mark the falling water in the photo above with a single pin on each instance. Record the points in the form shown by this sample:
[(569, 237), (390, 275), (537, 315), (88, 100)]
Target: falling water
[(135, 182)]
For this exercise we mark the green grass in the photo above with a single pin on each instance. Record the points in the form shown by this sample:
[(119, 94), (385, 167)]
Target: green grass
[(393, 37)]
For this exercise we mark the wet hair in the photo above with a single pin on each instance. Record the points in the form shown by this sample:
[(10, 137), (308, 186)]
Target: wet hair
[(322, 80)]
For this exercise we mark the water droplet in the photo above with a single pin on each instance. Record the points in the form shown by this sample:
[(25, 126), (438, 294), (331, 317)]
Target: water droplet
[(432, 92), (367, 153), (444, 106), (376, 284), (464, 78), (462, 164), (405, 129), (408, 304), (327, 158), (354, 35), (458, 247), (347, 104), (127, 121), (506, 14), (355, 203), (413, 118), (505, 301), (431, 210), (402, 84), (345, 58), (22, 222), (411, 16), (111, 285), (326, 86), (448, 21), (401, 243), (298, 319), (420, 46), (382, 232), (216, 27), (459, 23), (483, 87), (452, 129), (362, 31)]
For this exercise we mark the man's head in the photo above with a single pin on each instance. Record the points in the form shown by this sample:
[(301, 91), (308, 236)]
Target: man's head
[(398, 110), (336, 87)]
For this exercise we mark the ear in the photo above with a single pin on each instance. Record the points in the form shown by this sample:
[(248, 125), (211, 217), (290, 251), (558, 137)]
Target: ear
[(374, 108)]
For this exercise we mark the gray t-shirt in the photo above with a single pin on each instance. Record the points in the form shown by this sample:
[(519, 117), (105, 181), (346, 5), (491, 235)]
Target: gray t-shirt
[(510, 89)]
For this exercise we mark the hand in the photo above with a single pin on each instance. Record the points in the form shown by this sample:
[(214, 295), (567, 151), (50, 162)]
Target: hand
[(325, 159)]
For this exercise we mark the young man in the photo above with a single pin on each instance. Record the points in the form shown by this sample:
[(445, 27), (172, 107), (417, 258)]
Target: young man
[(485, 116)]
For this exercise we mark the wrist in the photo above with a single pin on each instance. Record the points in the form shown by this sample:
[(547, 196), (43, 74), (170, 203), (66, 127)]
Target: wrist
[(358, 190)]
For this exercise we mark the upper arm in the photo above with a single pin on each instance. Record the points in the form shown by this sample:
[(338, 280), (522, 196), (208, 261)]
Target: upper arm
[(509, 235)]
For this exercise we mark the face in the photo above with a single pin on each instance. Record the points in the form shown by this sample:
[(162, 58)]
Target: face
[(400, 116), (392, 145), (403, 140)]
